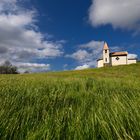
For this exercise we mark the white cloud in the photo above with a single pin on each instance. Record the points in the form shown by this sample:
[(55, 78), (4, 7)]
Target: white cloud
[(92, 44), (82, 67), (8, 1), (118, 13), (88, 53), (65, 67), (32, 67), (80, 55), (8, 5), (132, 56), (20, 39), (95, 47)]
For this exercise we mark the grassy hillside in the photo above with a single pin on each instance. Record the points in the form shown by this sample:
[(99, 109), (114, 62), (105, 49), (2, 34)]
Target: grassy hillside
[(98, 104)]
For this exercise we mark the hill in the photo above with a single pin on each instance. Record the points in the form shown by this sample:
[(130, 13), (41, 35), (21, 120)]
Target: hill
[(89, 104)]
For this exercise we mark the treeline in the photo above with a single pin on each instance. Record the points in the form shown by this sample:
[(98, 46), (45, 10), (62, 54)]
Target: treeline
[(8, 68)]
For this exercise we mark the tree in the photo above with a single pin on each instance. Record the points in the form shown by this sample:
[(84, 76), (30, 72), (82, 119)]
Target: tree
[(8, 68)]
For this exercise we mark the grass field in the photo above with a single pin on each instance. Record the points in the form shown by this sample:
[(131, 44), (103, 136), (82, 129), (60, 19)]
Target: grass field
[(98, 104)]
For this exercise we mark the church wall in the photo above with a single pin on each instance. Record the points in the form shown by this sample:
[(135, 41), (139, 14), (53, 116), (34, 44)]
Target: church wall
[(118, 60), (132, 61), (100, 63)]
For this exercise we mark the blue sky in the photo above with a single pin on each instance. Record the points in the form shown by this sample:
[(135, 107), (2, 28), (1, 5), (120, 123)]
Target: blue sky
[(43, 35)]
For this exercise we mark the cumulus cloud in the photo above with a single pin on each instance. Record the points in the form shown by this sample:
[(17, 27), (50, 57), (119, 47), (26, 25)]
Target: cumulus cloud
[(95, 47), (88, 53), (32, 67), (132, 56), (80, 55), (92, 44), (82, 67), (118, 13), (20, 39)]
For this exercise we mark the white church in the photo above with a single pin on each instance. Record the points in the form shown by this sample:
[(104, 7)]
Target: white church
[(114, 58)]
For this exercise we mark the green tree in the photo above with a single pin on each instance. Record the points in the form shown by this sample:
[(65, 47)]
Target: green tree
[(8, 68)]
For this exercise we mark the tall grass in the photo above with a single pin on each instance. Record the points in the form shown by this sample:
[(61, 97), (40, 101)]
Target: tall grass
[(101, 104)]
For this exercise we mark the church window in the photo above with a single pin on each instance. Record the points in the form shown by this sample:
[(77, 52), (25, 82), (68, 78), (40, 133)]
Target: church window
[(117, 58), (105, 51), (106, 59)]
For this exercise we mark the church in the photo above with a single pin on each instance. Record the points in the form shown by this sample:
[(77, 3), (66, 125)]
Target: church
[(114, 58)]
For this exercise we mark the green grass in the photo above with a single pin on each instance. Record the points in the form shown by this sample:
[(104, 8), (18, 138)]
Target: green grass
[(98, 104)]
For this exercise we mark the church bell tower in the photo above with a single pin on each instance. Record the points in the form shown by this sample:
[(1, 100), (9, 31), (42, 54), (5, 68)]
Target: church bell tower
[(106, 57)]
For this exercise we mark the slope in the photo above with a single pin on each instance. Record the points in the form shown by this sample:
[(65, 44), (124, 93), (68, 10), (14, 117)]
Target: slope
[(88, 104)]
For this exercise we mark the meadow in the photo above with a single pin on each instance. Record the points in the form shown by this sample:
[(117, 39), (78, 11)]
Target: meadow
[(93, 104)]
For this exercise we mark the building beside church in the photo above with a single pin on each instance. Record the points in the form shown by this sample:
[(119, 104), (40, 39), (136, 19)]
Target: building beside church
[(114, 58)]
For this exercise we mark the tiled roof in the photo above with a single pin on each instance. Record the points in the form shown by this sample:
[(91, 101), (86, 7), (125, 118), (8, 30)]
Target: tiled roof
[(119, 53), (106, 46), (99, 59)]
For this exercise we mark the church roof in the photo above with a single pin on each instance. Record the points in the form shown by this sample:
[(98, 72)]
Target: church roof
[(132, 58), (106, 46), (119, 54), (99, 59)]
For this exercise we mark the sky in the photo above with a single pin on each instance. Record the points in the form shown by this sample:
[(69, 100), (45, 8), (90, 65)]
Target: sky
[(50, 35)]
